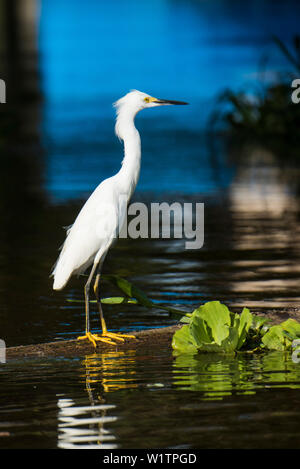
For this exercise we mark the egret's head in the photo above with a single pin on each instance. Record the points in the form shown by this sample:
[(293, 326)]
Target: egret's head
[(137, 100)]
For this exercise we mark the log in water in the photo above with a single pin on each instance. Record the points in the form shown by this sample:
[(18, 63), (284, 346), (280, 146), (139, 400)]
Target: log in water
[(160, 337)]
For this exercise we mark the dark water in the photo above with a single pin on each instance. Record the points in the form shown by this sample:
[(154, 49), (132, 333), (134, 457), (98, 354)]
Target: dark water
[(149, 400), (250, 258), (55, 150)]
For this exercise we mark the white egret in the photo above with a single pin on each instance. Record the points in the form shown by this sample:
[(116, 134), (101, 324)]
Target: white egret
[(98, 223)]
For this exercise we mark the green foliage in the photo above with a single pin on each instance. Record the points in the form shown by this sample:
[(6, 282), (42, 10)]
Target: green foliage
[(133, 295), (213, 328), (129, 289), (281, 336)]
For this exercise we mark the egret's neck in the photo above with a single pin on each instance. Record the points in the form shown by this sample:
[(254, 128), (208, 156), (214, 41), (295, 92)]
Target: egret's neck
[(130, 170)]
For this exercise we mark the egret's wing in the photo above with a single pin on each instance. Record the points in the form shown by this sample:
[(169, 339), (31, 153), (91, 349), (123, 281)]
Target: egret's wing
[(92, 233)]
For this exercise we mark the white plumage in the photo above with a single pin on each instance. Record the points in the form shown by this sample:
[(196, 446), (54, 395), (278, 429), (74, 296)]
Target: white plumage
[(85, 241), (100, 219)]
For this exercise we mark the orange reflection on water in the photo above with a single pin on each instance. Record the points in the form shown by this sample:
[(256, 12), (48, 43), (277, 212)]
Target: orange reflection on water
[(112, 370)]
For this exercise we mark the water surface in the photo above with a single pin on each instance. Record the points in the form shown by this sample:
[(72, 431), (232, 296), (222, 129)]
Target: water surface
[(148, 399)]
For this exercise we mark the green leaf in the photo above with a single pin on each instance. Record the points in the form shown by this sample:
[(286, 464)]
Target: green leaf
[(183, 342), (230, 344), (186, 319), (113, 300), (281, 336), (213, 328), (275, 339), (117, 300), (217, 317), (129, 289), (200, 331), (292, 327), (245, 322)]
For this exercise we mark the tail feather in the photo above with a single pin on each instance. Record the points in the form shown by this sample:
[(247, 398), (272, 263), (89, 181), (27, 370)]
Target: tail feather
[(61, 273)]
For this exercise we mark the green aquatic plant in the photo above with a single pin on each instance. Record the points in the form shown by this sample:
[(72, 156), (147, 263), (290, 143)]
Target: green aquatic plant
[(214, 328), (211, 327), (282, 336)]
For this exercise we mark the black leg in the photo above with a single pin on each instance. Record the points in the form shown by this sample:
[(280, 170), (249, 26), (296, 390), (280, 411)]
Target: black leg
[(86, 297), (105, 333)]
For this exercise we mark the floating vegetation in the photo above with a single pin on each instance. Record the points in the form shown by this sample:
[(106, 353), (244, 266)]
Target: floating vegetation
[(212, 327)]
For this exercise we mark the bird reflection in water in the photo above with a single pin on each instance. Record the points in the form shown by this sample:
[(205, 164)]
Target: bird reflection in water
[(83, 426), (111, 371)]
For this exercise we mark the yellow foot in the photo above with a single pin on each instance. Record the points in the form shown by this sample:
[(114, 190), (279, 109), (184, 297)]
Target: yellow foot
[(116, 336), (95, 337)]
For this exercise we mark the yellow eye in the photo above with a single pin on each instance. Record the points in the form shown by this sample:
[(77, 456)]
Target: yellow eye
[(147, 100)]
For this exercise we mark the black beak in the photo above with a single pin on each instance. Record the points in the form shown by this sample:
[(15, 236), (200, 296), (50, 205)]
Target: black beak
[(168, 101)]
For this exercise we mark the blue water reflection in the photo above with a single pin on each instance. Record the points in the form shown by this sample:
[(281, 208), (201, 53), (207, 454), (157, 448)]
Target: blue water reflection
[(91, 54)]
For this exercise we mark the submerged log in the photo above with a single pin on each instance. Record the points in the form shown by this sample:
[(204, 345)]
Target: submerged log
[(149, 338), (161, 337)]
